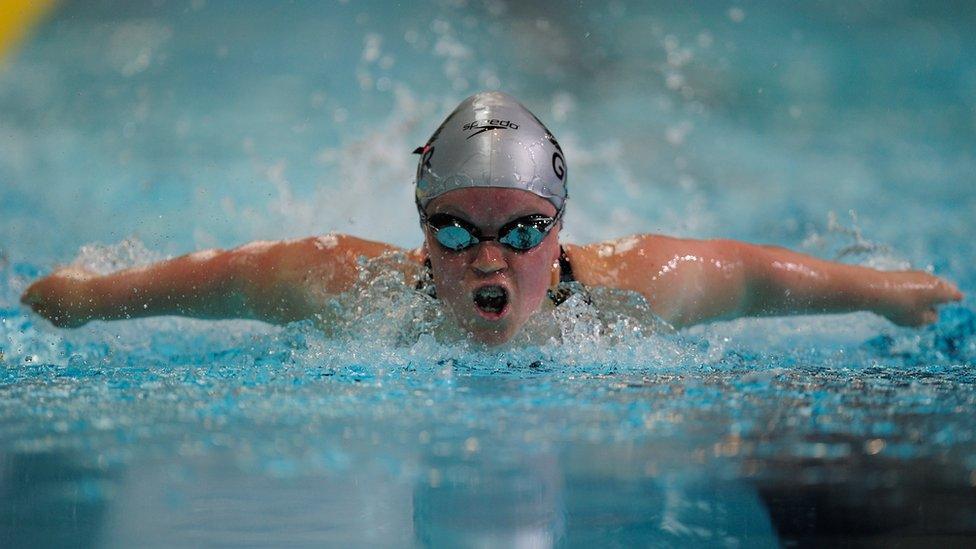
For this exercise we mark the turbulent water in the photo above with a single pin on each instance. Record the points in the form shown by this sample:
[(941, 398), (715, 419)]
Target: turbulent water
[(135, 132), (545, 438)]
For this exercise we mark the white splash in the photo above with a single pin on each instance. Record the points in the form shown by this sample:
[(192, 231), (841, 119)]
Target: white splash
[(327, 242), (256, 247), (104, 259), (618, 246), (203, 255)]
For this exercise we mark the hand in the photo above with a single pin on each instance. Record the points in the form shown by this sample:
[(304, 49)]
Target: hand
[(64, 297), (913, 297)]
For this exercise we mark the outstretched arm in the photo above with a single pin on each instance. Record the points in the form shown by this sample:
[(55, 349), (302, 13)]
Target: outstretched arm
[(692, 281), (275, 282)]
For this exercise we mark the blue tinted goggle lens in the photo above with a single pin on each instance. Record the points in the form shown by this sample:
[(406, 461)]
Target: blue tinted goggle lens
[(522, 234), (455, 238), (523, 237)]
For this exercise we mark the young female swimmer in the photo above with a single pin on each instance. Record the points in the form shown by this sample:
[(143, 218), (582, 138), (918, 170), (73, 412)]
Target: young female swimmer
[(491, 192)]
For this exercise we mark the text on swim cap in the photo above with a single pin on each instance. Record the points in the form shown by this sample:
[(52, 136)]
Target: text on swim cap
[(485, 125)]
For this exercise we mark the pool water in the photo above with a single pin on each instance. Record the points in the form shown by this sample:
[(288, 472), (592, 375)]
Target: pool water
[(131, 132)]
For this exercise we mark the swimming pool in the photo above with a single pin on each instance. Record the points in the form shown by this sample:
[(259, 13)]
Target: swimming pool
[(134, 132)]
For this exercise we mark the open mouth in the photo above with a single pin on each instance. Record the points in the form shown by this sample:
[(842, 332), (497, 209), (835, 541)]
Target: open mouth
[(491, 300)]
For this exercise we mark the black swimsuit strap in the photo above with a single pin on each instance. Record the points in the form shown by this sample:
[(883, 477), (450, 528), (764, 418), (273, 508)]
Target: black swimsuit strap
[(563, 292), (425, 283), (565, 267)]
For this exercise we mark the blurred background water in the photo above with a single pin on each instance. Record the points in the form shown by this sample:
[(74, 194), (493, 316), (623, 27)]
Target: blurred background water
[(131, 131)]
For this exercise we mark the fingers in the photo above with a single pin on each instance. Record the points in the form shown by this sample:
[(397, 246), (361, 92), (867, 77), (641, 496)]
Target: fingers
[(921, 309), (28, 298), (35, 300), (915, 319), (932, 289), (915, 303), (56, 299), (954, 293), (942, 292), (947, 292), (33, 297)]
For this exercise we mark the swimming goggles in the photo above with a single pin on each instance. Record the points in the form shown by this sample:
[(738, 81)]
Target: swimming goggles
[(520, 234)]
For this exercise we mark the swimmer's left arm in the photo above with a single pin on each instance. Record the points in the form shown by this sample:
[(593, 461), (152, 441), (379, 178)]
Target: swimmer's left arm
[(691, 281), (781, 281)]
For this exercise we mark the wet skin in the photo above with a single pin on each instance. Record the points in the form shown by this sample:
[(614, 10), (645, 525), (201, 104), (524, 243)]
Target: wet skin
[(526, 276), (685, 281)]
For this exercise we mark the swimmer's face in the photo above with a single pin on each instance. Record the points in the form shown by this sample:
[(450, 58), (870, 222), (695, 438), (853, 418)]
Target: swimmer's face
[(492, 289)]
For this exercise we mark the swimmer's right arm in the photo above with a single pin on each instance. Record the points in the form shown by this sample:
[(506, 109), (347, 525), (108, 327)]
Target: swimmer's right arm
[(275, 282)]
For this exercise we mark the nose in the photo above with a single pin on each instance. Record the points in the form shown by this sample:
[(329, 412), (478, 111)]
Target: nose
[(489, 258)]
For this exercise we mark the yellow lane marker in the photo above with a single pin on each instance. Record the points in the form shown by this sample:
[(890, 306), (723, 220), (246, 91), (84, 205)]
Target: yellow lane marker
[(16, 19)]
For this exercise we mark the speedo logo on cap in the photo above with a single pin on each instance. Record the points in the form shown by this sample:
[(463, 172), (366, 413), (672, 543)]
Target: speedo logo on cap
[(485, 125)]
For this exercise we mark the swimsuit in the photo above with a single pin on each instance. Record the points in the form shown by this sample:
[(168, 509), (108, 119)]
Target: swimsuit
[(564, 290)]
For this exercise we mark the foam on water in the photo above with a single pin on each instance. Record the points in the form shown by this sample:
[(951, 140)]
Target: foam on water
[(385, 402), (383, 338)]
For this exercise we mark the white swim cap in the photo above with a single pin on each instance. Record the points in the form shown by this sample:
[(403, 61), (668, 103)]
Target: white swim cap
[(491, 140)]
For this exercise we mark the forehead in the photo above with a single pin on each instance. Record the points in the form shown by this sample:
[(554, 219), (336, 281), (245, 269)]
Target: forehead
[(489, 205)]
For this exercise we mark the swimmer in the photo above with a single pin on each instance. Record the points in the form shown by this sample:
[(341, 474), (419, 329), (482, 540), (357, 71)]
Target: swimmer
[(491, 191)]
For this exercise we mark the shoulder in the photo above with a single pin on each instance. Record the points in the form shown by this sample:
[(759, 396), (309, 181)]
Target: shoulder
[(349, 245), (331, 262), (335, 246), (600, 263), (599, 257), (649, 246), (624, 262), (330, 251)]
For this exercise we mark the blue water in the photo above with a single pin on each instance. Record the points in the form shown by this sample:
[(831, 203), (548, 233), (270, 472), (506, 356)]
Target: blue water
[(130, 133)]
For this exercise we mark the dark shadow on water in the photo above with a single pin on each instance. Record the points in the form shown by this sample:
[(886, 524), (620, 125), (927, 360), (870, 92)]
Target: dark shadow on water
[(895, 505)]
